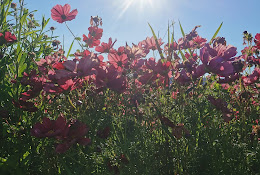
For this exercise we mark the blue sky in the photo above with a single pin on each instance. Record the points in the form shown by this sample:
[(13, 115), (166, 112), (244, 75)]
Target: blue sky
[(127, 20)]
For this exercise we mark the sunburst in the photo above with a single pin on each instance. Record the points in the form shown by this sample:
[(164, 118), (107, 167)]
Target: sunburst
[(140, 4)]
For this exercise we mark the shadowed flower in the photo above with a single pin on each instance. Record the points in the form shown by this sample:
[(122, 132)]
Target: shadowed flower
[(110, 78), (167, 121), (75, 134), (103, 133), (219, 40), (219, 59), (123, 159), (256, 130), (49, 128), (163, 68), (178, 131), (25, 105), (62, 14), (86, 65), (219, 104), (229, 78), (182, 77), (105, 47), (252, 78)]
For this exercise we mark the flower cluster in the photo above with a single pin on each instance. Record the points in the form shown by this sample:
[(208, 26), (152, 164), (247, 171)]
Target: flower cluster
[(66, 133), (128, 71)]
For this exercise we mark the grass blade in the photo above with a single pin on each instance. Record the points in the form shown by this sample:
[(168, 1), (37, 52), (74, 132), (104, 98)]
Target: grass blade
[(183, 34), (182, 55), (215, 34), (182, 31), (70, 48), (157, 43)]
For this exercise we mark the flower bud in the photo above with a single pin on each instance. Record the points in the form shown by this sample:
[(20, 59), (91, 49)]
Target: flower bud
[(31, 15), (13, 5), (55, 43), (52, 28)]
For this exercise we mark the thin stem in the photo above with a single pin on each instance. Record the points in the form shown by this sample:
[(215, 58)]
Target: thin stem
[(74, 36)]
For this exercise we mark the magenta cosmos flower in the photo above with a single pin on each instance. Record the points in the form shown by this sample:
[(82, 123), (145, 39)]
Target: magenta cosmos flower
[(62, 14)]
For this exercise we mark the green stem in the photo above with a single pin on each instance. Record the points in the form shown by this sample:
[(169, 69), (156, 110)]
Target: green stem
[(74, 36)]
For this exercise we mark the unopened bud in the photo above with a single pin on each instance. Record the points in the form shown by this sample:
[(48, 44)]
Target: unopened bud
[(13, 5), (52, 28), (31, 15), (55, 43)]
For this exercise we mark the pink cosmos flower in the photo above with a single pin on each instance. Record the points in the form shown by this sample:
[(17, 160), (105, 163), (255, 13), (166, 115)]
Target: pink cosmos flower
[(182, 77), (95, 32), (58, 66), (147, 77), (252, 78), (118, 61), (105, 47), (62, 14), (119, 51), (173, 46), (9, 37), (86, 66), (150, 43), (257, 40), (163, 68), (218, 59), (198, 42), (110, 78), (135, 52), (151, 63), (90, 41)]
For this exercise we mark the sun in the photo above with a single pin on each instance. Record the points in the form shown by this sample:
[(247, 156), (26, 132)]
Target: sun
[(141, 5)]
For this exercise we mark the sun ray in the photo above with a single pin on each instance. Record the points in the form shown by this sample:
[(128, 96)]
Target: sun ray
[(124, 7), (144, 3), (140, 5)]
